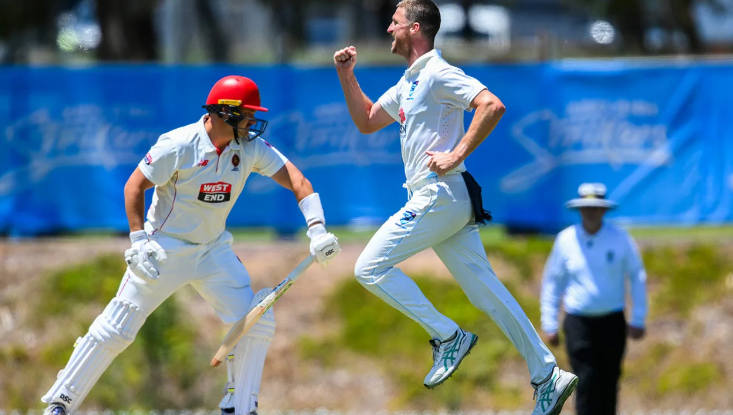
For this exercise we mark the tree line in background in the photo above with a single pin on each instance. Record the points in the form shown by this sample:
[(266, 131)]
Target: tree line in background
[(128, 30)]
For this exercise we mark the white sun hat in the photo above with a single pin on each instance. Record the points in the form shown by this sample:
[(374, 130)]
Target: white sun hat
[(591, 195)]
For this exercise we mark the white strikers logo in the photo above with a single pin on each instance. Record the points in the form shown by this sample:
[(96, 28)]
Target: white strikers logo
[(215, 192)]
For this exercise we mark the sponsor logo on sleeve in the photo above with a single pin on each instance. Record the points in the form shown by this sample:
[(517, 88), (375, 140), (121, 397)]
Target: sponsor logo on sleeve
[(148, 159), (215, 192)]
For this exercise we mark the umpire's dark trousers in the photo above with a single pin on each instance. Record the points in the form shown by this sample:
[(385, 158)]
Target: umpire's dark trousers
[(596, 348)]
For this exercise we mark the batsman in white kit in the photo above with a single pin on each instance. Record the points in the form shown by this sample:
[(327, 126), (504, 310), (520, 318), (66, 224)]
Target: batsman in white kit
[(198, 172), (444, 204)]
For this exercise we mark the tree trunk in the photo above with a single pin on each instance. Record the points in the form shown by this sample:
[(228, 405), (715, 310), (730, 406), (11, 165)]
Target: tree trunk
[(685, 20), (629, 20), (467, 33), (128, 30), (213, 36)]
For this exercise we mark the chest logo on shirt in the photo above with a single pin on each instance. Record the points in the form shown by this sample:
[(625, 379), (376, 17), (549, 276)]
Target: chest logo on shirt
[(235, 162), (609, 256), (215, 192), (412, 90)]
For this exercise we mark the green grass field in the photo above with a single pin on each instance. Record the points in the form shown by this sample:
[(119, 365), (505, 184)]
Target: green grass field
[(496, 234), (684, 358), (491, 235)]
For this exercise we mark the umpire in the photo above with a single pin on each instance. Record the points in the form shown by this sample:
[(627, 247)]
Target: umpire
[(591, 266)]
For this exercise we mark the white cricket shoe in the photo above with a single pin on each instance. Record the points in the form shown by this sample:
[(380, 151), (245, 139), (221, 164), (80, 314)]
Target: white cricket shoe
[(553, 392), (447, 355), (55, 409)]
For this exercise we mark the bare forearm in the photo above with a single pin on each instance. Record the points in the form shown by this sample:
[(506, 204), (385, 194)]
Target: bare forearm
[(293, 179), (302, 188), (484, 122), (358, 103), (135, 208)]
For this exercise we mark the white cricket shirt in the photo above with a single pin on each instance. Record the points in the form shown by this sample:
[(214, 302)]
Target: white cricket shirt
[(428, 102), (195, 186), (591, 274)]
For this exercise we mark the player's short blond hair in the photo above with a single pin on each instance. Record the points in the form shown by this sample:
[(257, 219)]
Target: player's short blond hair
[(424, 12)]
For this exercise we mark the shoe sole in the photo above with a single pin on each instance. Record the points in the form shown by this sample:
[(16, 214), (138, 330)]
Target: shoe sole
[(473, 343), (565, 395)]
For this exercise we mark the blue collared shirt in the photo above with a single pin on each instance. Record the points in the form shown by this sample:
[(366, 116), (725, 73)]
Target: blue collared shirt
[(591, 274)]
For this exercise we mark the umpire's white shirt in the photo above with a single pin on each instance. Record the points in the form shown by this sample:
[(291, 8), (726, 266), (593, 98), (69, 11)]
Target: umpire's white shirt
[(195, 186), (428, 102), (592, 273)]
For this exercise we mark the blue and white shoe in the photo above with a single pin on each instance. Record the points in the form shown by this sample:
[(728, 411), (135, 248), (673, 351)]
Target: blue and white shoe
[(553, 392), (55, 409), (447, 355)]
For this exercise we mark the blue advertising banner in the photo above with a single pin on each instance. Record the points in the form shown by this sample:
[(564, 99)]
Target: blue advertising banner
[(656, 133)]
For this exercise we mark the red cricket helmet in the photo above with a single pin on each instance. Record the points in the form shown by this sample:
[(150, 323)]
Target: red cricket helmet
[(227, 96), (236, 90)]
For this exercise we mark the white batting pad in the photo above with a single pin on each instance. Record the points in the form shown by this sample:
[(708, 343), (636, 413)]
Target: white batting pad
[(246, 362), (109, 334)]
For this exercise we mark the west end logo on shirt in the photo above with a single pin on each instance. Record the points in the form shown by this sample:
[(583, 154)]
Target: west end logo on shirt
[(215, 192), (412, 90), (235, 162)]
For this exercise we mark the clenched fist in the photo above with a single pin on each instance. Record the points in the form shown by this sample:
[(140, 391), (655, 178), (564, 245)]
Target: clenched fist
[(324, 246), (345, 59)]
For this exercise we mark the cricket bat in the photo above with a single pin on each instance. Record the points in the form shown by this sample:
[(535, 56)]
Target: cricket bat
[(242, 326)]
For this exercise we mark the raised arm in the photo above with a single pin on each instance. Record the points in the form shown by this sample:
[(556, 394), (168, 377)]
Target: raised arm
[(367, 116)]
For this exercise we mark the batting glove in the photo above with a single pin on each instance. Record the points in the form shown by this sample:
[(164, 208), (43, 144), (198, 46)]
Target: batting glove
[(141, 255), (324, 246)]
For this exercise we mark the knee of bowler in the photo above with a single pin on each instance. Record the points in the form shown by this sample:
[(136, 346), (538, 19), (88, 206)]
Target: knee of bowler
[(367, 271), (118, 324), (265, 326)]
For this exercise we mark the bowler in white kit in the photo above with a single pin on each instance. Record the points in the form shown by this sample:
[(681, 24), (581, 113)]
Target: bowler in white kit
[(198, 172), (444, 206)]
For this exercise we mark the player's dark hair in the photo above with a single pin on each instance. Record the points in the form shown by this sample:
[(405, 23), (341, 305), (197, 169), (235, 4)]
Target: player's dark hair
[(424, 12)]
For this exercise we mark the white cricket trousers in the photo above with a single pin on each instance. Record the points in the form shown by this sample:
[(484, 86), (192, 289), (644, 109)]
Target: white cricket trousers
[(212, 269), (439, 214)]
